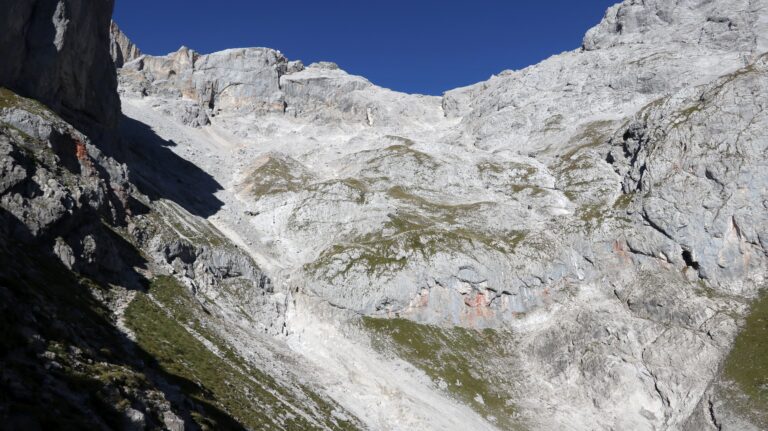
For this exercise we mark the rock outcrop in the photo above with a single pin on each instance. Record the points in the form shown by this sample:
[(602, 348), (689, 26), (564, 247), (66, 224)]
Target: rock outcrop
[(693, 165), (569, 246), (602, 210), (196, 86), (735, 24), (99, 279), (256, 81), (120, 47), (57, 52), (61, 184)]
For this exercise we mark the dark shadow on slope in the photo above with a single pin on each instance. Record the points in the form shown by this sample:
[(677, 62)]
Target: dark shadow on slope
[(161, 174), (63, 363)]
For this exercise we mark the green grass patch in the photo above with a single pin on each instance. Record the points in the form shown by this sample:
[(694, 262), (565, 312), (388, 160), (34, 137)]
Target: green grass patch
[(403, 236), (357, 191), (747, 364), (457, 357), (592, 213), (520, 171), (595, 215), (572, 166), (11, 100), (225, 380), (438, 212), (533, 189), (519, 177), (623, 201), (401, 153), (684, 116), (592, 135), (275, 176)]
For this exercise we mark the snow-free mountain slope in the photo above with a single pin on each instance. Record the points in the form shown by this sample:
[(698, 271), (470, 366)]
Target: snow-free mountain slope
[(574, 245), (603, 188)]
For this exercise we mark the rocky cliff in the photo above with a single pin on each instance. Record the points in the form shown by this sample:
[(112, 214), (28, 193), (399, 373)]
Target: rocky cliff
[(57, 52), (101, 274), (580, 244), (598, 210), (120, 47)]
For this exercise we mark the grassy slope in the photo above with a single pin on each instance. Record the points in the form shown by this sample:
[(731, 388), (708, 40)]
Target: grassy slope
[(222, 379), (459, 360), (747, 365), (64, 364)]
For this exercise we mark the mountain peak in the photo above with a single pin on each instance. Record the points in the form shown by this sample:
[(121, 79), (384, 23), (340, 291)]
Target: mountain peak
[(121, 48), (736, 24)]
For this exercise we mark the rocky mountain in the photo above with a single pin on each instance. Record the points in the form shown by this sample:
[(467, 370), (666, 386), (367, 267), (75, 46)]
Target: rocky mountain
[(55, 53), (237, 240), (121, 48)]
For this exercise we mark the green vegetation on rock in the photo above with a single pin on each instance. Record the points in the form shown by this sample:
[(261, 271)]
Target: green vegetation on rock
[(172, 222), (517, 177), (520, 171), (353, 190), (592, 135), (11, 100), (624, 201), (457, 359), (65, 365), (685, 115), (402, 151), (276, 175), (438, 212), (747, 364), (534, 190), (592, 214), (168, 325), (405, 236)]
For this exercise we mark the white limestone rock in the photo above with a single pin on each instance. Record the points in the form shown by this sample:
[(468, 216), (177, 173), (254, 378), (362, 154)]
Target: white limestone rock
[(120, 47), (586, 204)]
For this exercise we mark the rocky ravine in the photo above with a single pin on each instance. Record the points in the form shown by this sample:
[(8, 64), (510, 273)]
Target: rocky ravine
[(574, 245)]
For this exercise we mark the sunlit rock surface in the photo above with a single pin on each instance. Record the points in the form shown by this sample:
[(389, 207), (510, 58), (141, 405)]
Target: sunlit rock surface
[(575, 245)]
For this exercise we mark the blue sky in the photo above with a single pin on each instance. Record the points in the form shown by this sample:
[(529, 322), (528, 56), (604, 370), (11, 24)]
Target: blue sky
[(417, 46)]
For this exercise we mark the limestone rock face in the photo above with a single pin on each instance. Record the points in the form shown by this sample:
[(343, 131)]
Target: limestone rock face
[(698, 156), (327, 93), (496, 178), (573, 245), (604, 209), (711, 24), (193, 88), (57, 52), (196, 87), (81, 244), (639, 52), (120, 47)]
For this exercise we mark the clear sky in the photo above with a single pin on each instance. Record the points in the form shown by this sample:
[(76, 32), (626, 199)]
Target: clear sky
[(417, 46)]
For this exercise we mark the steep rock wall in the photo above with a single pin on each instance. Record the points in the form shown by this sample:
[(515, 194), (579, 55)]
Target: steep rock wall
[(57, 52)]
